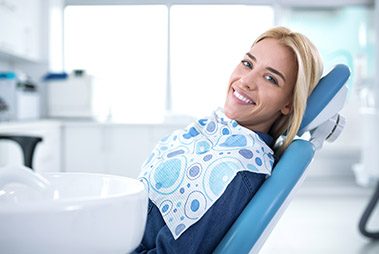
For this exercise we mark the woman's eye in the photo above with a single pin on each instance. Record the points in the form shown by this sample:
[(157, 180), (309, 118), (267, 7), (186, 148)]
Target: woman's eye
[(247, 64), (271, 79)]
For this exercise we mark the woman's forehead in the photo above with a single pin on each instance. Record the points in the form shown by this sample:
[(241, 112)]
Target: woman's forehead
[(271, 48), (271, 53)]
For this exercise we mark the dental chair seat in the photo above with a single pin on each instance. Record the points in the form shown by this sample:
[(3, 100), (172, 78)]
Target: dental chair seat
[(321, 119)]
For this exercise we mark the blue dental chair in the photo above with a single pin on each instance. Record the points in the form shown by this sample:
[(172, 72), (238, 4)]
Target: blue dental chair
[(321, 119)]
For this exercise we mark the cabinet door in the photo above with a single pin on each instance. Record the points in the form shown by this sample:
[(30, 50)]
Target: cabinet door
[(20, 22), (84, 148), (30, 13), (129, 146), (11, 27)]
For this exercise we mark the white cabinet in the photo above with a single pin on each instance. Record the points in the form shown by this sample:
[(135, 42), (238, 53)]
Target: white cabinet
[(117, 149), (47, 156), (20, 25), (72, 97), (83, 148), (127, 149), (94, 147)]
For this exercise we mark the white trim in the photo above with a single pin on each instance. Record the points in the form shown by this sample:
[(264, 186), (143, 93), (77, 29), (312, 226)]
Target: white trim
[(376, 21), (288, 3), (166, 2), (168, 100)]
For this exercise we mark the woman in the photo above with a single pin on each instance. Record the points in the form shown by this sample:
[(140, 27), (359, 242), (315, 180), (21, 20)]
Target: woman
[(192, 207)]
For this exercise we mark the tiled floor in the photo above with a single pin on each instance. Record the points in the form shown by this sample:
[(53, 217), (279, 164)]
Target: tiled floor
[(323, 218)]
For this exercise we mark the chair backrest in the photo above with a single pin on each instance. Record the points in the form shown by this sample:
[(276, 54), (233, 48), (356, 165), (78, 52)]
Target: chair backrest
[(256, 222)]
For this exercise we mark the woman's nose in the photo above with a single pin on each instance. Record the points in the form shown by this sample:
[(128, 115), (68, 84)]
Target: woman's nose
[(248, 83)]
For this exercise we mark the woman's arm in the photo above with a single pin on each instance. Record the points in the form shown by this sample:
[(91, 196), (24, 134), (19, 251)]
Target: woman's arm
[(205, 235)]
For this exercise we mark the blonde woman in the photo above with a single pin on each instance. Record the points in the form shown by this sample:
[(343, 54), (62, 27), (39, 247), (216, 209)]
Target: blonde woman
[(200, 178)]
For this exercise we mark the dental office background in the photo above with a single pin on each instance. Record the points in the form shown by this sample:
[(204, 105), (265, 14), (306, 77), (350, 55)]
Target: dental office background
[(102, 81)]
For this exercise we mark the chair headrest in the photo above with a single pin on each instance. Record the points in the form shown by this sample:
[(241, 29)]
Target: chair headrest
[(327, 99)]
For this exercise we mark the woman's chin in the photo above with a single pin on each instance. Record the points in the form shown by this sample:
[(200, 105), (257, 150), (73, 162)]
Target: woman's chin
[(231, 114)]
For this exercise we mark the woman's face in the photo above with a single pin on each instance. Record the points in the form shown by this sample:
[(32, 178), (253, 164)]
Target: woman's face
[(261, 86)]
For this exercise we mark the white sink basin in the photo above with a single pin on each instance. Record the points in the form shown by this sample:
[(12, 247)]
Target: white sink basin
[(70, 212)]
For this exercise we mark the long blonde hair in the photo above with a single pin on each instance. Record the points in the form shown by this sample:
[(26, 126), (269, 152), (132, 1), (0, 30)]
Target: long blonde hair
[(309, 71)]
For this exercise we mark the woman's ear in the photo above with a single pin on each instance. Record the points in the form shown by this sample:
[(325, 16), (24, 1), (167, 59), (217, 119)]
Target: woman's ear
[(286, 109)]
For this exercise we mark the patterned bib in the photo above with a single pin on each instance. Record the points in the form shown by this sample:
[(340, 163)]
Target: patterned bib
[(190, 169)]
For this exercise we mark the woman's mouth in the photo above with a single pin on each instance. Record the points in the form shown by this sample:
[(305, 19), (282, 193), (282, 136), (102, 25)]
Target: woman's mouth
[(242, 98)]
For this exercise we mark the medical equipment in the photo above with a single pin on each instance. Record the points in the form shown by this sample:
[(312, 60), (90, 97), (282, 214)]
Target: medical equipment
[(70, 96), (19, 97), (27, 144), (321, 119), (366, 216)]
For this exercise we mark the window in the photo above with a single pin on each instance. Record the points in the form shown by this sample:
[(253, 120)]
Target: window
[(207, 42), (342, 35), (126, 48)]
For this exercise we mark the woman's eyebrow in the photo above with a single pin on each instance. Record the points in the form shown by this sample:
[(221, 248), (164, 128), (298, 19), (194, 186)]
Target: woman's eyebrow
[(276, 72), (251, 56), (268, 68)]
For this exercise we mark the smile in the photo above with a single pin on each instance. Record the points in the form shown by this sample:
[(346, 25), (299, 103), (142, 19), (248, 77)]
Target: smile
[(242, 98)]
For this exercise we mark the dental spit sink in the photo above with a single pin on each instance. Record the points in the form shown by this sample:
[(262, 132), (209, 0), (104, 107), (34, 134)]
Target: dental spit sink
[(70, 212)]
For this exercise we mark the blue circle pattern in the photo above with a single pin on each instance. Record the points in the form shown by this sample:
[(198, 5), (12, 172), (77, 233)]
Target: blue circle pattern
[(225, 131), (167, 176), (167, 173), (207, 157), (258, 161), (246, 153), (194, 171), (195, 204), (179, 229), (217, 149), (211, 127), (202, 147), (220, 175), (165, 207)]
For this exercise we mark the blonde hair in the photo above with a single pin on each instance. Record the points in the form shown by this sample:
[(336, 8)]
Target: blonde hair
[(309, 71)]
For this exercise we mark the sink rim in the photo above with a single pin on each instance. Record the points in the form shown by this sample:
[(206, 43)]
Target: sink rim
[(77, 203)]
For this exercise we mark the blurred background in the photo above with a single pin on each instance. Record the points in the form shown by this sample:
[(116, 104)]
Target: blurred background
[(102, 81)]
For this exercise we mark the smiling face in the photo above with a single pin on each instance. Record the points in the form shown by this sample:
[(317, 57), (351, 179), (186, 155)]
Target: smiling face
[(261, 86)]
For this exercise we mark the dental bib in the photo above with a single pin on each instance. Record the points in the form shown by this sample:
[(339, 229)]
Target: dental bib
[(190, 169)]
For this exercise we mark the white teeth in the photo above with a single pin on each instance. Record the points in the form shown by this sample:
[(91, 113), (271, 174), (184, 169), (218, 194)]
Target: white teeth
[(242, 98)]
